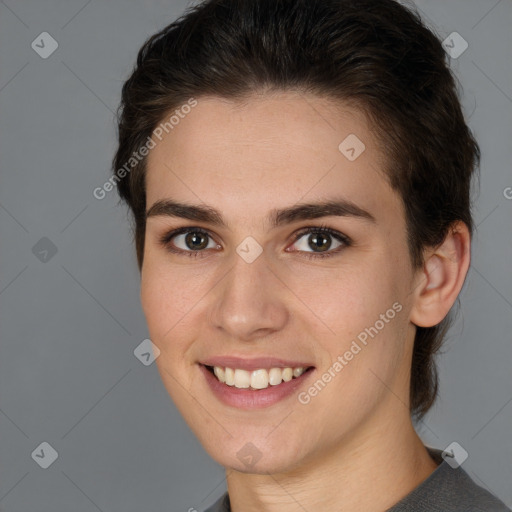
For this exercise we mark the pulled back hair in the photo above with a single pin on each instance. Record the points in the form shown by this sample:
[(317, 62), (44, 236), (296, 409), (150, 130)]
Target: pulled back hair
[(375, 54)]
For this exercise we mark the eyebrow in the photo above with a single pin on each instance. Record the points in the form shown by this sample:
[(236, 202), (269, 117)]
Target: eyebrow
[(276, 217)]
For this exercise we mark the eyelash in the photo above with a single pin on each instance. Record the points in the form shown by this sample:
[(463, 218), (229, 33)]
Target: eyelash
[(165, 240)]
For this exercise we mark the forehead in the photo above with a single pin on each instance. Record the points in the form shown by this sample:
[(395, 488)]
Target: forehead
[(247, 157)]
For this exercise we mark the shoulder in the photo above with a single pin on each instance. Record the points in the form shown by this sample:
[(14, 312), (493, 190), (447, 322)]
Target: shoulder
[(449, 489)]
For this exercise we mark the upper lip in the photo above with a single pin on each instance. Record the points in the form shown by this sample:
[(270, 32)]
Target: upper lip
[(255, 363)]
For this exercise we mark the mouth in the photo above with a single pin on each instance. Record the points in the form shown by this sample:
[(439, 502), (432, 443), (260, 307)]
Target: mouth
[(258, 379), (257, 385)]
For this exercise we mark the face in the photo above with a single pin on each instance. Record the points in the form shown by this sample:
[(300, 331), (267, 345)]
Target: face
[(258, 282)]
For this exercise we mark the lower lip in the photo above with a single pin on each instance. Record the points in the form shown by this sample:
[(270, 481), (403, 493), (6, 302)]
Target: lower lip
[(253, 398)]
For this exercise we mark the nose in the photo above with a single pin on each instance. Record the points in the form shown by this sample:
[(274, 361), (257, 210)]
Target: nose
[(250, 301)]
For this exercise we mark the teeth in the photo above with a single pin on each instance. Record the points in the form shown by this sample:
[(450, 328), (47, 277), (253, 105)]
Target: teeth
[(275, 376), (257, 379), (287, 374), (242, 379), (230, 376), (297, 372), (220, 373)]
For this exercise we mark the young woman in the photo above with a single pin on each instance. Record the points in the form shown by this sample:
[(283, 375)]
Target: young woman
[(299, 175)]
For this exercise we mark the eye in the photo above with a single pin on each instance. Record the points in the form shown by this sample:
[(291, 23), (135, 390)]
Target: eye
[(320, 238), (189, 241)]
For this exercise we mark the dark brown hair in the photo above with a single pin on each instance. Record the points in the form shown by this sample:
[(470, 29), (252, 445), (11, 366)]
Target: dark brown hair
[(375, 54)]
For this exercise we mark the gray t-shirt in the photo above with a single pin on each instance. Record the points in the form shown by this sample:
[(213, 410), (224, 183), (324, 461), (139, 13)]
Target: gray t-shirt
[(445, 490)]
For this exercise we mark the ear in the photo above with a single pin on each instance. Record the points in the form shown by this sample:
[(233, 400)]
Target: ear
[(439, 282)]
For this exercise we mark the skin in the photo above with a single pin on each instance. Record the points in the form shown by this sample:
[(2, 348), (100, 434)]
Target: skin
[(353, 446)]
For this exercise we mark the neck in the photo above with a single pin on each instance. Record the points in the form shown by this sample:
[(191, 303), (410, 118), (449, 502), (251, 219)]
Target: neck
[(372, 473)]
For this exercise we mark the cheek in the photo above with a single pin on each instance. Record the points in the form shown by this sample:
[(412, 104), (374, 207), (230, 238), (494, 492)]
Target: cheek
[(168, 301), (167, 293), (349, 298), (362, 308)]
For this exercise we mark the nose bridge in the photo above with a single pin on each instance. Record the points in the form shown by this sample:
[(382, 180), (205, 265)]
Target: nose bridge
[(248, 299)]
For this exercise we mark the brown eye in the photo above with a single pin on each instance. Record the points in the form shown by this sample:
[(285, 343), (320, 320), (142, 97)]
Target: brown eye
[(196, 241), (321, 242), (188, 241), (317, 242)]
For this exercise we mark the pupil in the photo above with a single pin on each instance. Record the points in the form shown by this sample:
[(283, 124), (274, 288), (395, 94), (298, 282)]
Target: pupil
[(325, 242), (192, 239)]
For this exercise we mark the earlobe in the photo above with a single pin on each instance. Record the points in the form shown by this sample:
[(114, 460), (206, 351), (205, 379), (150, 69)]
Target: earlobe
[(441, 277)]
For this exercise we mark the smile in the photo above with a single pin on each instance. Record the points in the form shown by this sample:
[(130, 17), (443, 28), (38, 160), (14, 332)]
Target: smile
[(256, 379), (258, 386)]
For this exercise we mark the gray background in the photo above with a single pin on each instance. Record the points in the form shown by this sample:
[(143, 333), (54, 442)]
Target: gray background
[(70, 324)]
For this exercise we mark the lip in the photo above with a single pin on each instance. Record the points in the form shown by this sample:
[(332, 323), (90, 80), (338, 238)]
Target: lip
[(249, 399), (251, 364)]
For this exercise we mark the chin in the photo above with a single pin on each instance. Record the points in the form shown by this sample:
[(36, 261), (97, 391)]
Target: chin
[(255, 457)]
